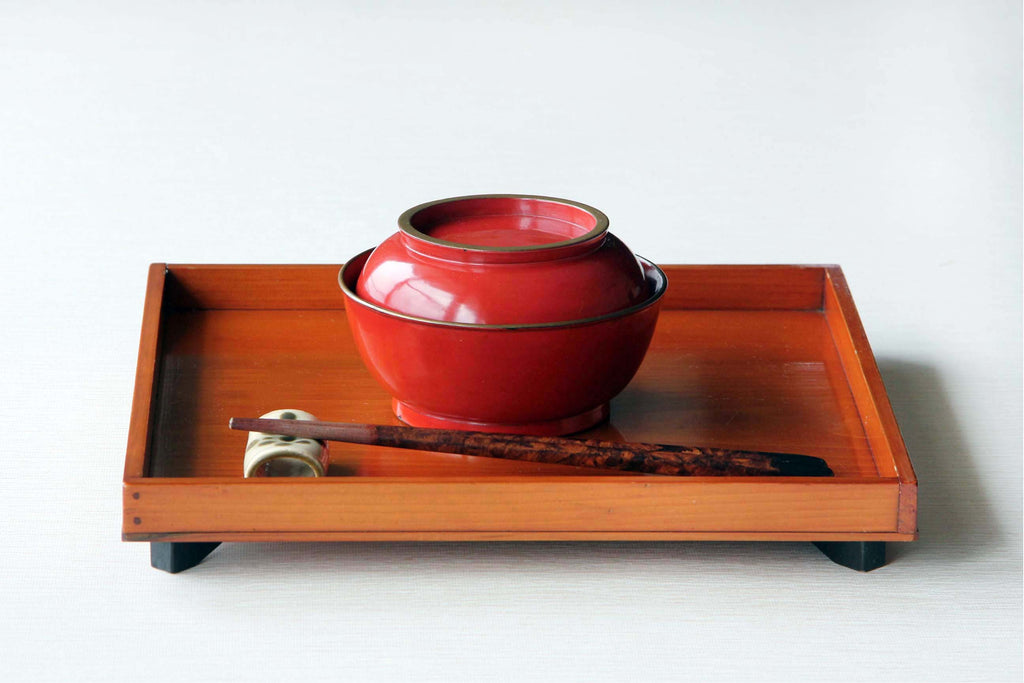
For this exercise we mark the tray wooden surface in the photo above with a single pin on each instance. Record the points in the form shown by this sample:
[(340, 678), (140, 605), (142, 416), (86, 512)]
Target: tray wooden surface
[(748, 357)]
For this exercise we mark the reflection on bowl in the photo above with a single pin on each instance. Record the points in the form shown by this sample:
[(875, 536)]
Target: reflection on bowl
[(502, 259)]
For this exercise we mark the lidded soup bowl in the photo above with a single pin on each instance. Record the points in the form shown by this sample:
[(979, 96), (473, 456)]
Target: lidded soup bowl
[(502, 313)]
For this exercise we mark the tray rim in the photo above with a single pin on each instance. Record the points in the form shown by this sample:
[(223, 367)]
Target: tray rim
[(834, 300)]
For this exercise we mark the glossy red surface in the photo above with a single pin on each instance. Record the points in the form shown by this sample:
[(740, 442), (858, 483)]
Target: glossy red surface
[(541, 379), (490, 221), (502, 260)]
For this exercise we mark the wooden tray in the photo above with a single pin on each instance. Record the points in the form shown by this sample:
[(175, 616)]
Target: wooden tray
[(748, 357)]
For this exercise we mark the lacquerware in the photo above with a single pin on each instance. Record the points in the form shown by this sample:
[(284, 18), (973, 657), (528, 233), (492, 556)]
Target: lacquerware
[(502, 260), (743, 357), (546, 379), (502, 313)]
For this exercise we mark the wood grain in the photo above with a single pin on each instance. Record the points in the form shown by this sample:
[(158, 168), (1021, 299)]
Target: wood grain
[(496, 536), (146, 376), (869, 392), (750, 288), (315, 287), (513, 504), (750, 380), (780, 375), (254, 287)]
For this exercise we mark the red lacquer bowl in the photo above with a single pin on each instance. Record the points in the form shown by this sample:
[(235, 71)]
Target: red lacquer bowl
[(502, 259), (541, 378)]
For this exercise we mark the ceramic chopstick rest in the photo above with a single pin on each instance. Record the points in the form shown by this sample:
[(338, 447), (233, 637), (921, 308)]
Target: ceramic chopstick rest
[(273, 455)]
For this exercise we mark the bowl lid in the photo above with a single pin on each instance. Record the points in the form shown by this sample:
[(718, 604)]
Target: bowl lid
[(503, 259), (502, 228)]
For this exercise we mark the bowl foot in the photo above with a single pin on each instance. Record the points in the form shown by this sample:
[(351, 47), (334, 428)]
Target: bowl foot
[(566, 425)]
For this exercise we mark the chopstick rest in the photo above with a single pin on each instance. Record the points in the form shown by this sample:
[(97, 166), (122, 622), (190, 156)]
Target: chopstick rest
[(275, 455)]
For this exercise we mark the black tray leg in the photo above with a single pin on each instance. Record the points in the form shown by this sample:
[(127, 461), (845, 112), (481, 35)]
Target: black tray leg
[(860, 555), (177, 557)]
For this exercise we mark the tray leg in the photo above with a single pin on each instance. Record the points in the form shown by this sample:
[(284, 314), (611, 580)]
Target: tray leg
[(860, 555), (177, 557)]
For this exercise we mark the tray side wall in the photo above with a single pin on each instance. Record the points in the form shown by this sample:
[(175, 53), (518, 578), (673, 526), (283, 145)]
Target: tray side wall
[(763, 287), (869, 393), (146, 372), (255, 287), (315, 287), (510, 505), (460, 536)]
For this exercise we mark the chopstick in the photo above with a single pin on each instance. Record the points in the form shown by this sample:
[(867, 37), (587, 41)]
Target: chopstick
[(642, 458)]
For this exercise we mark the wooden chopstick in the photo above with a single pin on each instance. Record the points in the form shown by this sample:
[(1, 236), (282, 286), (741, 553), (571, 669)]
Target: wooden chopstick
[(643, 458)]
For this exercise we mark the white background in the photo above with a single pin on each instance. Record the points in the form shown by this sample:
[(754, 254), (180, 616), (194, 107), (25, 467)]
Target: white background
[(883, 136)]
